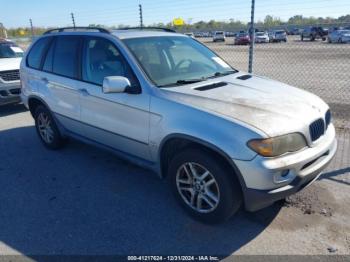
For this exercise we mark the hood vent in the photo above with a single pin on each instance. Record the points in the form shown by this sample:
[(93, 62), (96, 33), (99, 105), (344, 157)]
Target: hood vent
[(211, 86), (244, 77)]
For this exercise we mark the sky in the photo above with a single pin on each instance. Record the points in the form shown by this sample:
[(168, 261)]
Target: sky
[(49, 13)]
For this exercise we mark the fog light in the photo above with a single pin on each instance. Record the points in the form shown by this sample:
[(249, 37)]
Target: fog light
[(283, 176)]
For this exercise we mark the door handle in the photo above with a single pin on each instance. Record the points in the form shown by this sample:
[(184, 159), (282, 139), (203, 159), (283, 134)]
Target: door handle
[(84, 92)]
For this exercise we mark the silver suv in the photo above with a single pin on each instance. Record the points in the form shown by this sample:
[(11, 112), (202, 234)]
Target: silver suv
[(223, 138)]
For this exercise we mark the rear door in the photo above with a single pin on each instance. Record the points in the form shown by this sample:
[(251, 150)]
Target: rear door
[(60, 74)]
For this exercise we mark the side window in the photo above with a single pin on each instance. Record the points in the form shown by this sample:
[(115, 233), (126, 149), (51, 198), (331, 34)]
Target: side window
[(65, 58), (36, 53), (101, 59), (48, 63)]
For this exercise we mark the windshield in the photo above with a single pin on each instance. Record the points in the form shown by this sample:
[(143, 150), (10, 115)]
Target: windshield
[(279, 32), (260, 34), (174, 60), (9, 50), (219, 33)]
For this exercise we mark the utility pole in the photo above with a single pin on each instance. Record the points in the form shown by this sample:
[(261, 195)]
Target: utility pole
[(3, 32), (31, 27), (141, 18), (73, 20), (252, 38)]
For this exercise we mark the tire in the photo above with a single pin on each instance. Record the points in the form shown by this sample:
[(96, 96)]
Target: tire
[(329, 40), (47, 128), (340, 41), (223, 184), (302, 38)]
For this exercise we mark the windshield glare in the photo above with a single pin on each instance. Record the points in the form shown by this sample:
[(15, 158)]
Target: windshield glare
[(174, 60), (8, 50)]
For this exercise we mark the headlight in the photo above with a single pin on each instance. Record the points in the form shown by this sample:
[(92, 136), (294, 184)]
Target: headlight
[(279, 145)]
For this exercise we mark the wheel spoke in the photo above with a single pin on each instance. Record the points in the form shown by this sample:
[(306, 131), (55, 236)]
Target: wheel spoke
[(212, 196), (204, 175), (206, 199), (187, 182), (210, 182), (193, 170), (199, 202)]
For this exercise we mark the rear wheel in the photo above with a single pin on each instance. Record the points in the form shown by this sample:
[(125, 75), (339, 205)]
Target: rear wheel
[(207, 190), (47, 128)]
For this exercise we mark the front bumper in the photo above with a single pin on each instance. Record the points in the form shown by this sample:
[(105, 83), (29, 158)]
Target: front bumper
[(270, 179), (10, 93)]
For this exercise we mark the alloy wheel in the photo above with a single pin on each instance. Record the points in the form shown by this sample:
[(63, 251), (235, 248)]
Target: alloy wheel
[(197, 187)]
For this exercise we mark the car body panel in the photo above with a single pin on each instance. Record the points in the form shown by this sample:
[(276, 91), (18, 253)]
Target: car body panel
[(224, 118)]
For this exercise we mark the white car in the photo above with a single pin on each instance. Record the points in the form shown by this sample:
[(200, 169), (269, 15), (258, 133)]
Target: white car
[(10, 59), (190, 34), (339, 36), (261, 37), (219, 36)]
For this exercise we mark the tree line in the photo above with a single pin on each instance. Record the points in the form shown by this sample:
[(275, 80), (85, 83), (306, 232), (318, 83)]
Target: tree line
[(297, 21)]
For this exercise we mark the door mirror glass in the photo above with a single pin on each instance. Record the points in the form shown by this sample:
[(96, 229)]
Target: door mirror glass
[(115, 84)]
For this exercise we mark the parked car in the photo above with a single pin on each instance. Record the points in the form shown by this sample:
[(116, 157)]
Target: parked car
[(339, 36), (295, 31), (219, 36), (277, 36), (10, 59), (314, 33), (262, 37), (190, 34), (242, 39), (223, 138)]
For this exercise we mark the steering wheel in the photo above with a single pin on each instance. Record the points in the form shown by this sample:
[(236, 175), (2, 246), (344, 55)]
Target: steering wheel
[(182, 62)]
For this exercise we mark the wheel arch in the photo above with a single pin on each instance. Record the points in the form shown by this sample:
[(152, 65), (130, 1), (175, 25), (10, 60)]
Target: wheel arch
[(34, 102), (174, 143)]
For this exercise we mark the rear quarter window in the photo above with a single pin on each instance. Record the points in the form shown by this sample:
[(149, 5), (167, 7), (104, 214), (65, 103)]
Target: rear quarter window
[(37, 52)]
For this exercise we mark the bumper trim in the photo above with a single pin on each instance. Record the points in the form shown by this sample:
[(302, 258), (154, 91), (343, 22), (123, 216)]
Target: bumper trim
[(256, 199)]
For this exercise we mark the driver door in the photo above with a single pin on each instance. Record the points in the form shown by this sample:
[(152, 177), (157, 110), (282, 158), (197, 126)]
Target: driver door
[(117, 120)]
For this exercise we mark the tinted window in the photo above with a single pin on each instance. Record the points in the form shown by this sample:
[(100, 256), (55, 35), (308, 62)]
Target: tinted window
[(37, 52), (100, 59), (65, 58), (49, 58)]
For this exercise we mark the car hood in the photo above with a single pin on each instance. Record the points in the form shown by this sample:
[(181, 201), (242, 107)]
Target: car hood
[(270, 106), (10, 63)]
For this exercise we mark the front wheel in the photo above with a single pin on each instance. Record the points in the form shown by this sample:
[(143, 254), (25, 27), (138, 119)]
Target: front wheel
[(204, 186), (47, 128)]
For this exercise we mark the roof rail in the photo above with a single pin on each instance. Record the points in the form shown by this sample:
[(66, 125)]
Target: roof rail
[(148, 28), (77, 28)]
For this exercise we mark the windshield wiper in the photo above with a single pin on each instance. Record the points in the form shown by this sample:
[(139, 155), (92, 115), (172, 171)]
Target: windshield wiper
[(217, 74), (184, 82)]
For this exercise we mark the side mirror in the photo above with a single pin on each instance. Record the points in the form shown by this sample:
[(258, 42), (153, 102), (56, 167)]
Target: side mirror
[(115, 84)]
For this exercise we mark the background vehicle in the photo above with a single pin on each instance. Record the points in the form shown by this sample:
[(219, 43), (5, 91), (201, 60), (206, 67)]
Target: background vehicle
[(242, 38), (261, 37), (339, 36), (10, 58), (277, 36), (219, 36), (190, 34), (314, 33), (152, 97)]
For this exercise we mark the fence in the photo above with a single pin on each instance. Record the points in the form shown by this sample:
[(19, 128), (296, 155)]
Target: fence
[(318, 66)]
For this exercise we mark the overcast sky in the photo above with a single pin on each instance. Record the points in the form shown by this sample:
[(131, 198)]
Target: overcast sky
[(115, 12)]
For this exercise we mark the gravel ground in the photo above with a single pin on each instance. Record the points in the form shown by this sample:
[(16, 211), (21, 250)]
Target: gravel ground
[(82, 200)]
